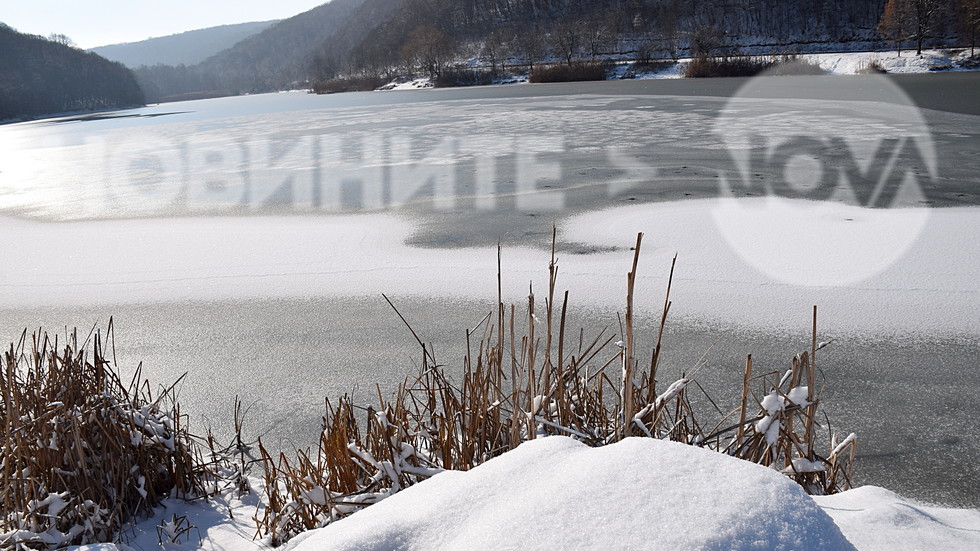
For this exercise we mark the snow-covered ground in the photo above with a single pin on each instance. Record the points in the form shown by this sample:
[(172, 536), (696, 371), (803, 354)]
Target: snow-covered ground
[(556, 493), (891, 61), (844, 63), (850, 63)]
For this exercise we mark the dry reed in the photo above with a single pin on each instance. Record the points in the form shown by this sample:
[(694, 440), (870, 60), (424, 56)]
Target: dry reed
[(748, 66), (508, 394), (83, 452)]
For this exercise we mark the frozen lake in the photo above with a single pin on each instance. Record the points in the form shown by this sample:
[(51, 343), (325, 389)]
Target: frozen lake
[(247, 240)]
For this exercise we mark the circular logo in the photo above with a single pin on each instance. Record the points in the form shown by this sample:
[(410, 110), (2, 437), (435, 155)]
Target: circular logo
[(824, 192)]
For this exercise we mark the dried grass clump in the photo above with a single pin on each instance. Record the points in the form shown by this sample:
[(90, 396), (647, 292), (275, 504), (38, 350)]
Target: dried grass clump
[(871, 67), (361, 83), (83, 452), (749, 66), (462, 76), (575, 72), (729, 66), (793, 65), (518, 385)]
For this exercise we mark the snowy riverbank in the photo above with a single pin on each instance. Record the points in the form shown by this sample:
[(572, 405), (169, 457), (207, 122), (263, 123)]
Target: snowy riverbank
[(843, 63), (557, 493)]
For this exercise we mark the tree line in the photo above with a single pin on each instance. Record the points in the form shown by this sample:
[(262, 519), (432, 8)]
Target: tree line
[(41, 76), (377, 40), (429, 36), (916, 21)]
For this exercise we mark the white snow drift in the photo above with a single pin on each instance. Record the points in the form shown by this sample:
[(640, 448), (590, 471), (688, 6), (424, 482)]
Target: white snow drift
[(637, 494), (556, 493)]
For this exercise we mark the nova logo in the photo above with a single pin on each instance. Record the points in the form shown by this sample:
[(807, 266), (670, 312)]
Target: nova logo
[(823, 192), (883, 174)]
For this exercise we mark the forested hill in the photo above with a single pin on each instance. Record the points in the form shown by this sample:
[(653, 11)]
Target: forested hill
[(39, 77), (279, 57), (376, 40), (187, 48)]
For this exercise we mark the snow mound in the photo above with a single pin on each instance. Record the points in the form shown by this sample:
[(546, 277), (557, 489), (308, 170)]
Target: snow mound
[(876, 519), (557, 493)]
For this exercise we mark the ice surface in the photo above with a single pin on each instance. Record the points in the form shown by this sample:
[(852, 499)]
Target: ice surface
[(556, 493), (139, 261)]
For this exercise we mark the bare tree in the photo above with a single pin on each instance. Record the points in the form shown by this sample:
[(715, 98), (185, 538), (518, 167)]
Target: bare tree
[(531, 43), (704, 39), (912, 19), (567, 38), (896, 20), (667, 25), (599, 36), (968, 22), (62, 39), (496, 48), (428, 50), (928, 17), (644, 50)]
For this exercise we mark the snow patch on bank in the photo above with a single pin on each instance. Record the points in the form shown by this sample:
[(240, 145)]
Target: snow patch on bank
[(842, 63), (892, 61), (632, 495), (876, 519), (557, 493)]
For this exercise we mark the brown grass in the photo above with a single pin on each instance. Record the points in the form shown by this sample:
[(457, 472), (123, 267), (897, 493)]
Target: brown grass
[(462, 76), (84, 452), (509, 394), (364, 83), (747, 66), (871, 67), (576, 72)]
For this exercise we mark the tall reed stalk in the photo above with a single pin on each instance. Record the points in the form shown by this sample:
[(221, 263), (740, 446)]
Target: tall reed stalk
[(508, 394)]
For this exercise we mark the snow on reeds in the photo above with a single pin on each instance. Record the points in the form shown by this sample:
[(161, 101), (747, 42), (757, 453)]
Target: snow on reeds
[(525, 377), (82, 451)]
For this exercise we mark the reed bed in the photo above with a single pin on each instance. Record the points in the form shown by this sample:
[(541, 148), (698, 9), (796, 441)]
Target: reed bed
[(82, 451), (572, 72), (523, 380), (747, 66), (872, 67)]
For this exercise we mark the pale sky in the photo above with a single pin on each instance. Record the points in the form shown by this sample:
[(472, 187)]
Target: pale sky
[(101, 22)]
